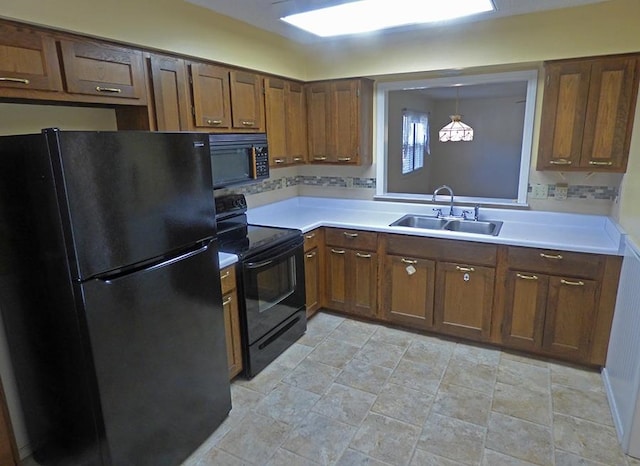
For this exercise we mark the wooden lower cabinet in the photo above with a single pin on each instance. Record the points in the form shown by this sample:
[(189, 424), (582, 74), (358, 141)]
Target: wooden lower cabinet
[(408, 290), (464, 300), (313, 270), (231, 320)]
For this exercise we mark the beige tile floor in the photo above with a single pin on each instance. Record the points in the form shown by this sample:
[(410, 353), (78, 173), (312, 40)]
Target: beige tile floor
[(354, 393)]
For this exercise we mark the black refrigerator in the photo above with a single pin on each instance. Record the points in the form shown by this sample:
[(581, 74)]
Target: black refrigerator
[(110, 294)]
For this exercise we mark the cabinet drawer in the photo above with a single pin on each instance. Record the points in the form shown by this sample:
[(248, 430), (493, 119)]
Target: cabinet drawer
[(352, 239), (312, 239), (228, 279), (555, 262), (442, 249)]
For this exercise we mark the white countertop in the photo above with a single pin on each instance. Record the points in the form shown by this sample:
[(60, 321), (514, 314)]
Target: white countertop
[(226, 259), (548, 230)]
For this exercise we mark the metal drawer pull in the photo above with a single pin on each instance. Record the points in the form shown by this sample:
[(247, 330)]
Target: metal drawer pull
[(227, 300), (15, 80), (338, 251), (408, 261), (248, 123), (465, 269), (560, 162), (297, 159), (320, 158), (225, 275), (527, 277), (344, 159), (310, 236), (214, 122), (567, 282), (279, 160), (114, 90), (310, 255), (364, 256), (350, 235), (605, 164), (551, 256)]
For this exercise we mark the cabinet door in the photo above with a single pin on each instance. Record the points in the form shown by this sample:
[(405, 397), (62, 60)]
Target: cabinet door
[(336, 279), (571, 306), (276, 116), (170, 93), (363, 283), (318, 111), (408, 289), (563, 114), (463, 299), (29, 60), (525, 306), (295, 104), (211, 105), (312, 280), (246, 98), (344, 121), (105, 70), (608, 128), (232, 333)]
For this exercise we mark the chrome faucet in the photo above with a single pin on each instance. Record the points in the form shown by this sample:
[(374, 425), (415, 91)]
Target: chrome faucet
[(448, 188)]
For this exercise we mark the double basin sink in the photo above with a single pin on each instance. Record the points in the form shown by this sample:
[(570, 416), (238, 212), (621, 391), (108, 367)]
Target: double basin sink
[(425, 222)]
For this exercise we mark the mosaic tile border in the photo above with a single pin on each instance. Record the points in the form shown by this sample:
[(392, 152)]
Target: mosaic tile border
[(606, 193)]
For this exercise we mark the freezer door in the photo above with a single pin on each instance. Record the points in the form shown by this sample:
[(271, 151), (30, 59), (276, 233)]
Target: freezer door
[(129, 196), (158, 344)]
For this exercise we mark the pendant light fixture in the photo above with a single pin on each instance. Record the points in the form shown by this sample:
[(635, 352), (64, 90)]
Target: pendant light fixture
[(456, 130)]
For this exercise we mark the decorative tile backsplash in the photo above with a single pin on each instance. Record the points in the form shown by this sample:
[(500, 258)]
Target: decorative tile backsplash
[(574, 192)]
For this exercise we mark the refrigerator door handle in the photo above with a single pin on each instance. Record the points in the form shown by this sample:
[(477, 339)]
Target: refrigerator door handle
[(111, 277)]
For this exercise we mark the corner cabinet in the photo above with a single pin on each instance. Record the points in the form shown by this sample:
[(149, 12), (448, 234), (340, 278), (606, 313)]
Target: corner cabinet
[(587, 113), (340, 121), (231, 320)]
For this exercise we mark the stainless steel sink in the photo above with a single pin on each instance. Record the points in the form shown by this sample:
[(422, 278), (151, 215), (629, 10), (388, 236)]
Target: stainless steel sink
[(481, 227)]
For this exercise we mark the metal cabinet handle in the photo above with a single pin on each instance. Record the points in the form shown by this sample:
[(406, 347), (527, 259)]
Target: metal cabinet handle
[(350, 235), (15, 80), (567, 282), (465, 269), (227, 300), (551, 256), (248, 123), (408, 261), (297, 159), (605, 164), (320, 158), (364, 256), (225, 275), (310, 255), (310, 236), (560, 162), (344, 159), (338, 251), (214, 122), (527, 277), (113, 90), (279, 160)]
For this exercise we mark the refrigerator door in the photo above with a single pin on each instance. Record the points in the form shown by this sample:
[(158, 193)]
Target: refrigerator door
[(157, 338), (126, 197)]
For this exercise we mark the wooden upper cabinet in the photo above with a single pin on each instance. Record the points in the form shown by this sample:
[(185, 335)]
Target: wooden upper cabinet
[(340, 115), (246, 100), (286, 121), (211, 103), (28, 61), (170, 93), (99, 69), (587, 114)]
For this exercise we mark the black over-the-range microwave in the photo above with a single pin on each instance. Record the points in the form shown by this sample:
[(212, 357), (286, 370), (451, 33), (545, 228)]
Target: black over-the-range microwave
[(238, 158)]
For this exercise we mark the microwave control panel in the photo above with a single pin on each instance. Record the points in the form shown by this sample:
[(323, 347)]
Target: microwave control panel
[(262, 162)]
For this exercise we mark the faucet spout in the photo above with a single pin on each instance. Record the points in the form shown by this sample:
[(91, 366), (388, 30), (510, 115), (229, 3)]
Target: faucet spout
[(448, 188)]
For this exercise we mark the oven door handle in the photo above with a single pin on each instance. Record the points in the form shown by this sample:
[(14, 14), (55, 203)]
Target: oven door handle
[(258, 265)]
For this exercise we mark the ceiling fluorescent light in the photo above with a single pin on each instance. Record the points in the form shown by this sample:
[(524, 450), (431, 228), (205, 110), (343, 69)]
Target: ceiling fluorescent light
[(373, 15)]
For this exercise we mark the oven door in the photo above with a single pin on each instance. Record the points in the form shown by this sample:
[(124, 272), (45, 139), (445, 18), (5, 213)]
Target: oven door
[(273, 283)]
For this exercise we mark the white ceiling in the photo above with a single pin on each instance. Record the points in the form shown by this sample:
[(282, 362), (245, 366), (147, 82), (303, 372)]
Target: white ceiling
[(266, 14)]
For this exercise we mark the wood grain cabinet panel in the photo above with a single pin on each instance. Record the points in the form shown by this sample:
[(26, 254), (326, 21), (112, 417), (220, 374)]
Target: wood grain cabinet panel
[(28, 61), (104, 70), (587, 113), (211, 98), (336, 273), (231, 313), (296, 106), (314, 269), (170, 93), (246, 100), (318, 112)]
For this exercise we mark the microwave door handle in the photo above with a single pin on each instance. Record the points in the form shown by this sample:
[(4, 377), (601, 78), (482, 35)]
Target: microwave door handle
[(254, 169)]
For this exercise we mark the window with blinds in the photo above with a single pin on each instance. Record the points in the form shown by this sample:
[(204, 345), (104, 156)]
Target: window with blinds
[(415, 140)]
